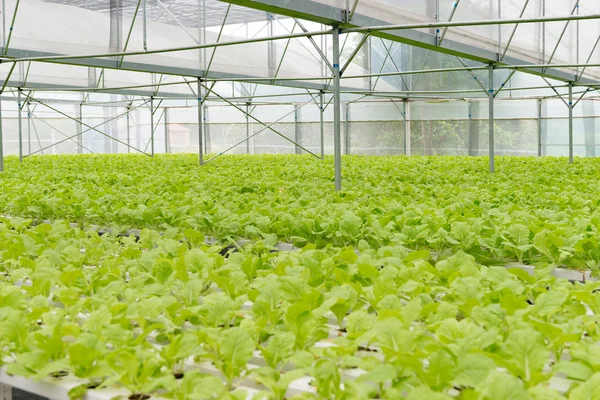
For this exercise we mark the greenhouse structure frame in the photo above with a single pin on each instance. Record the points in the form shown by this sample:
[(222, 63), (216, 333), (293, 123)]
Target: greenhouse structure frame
[(349, 19)]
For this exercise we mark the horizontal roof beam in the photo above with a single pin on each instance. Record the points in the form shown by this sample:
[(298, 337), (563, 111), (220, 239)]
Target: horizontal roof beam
[(413, 34)]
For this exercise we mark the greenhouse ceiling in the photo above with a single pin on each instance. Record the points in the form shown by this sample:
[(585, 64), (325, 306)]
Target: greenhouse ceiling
[(177, 12)]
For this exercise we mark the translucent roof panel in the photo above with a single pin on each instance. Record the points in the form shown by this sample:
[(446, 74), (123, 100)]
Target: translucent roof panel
[(185, 12), (43, 27), (537, 43)]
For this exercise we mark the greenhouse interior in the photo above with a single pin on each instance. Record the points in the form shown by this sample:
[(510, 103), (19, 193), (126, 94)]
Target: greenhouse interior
[(308, 199)]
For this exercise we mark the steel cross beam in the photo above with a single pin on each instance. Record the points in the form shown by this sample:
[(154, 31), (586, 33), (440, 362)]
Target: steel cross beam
[(411, 33), (256, 119), (94, 128)]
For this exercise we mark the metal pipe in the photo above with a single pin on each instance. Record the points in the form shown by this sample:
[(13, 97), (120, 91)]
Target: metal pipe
[(539, 127), (28, 128), (248, 128), (152, 126), (128, 130), (1, 141), (470, 127), (321, 122), (355, 53), (200, 124), (562, 34), (589, 57), (310, 38), (505, 82), (206, 130), (19, 113), (137, 8), (570, 123), (90, 128), (145, 27), (491, 115), (407, 144), (167, 138), (337, 109), (12, 25), (441, 39), (430, 25), (266, 127), (296, 129), (347, 129), (175, 49), (260, 122), (79, 116), (212, 56), (3, 25), (59, 131), (512, 35)]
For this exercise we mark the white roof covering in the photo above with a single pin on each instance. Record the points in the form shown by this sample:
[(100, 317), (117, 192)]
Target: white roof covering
[(64, 29)]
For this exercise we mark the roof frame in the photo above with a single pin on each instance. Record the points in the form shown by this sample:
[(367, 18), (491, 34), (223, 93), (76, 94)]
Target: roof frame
[(409, 34)]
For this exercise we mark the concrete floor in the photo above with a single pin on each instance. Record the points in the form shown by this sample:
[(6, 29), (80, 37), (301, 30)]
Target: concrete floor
[(21, 395)]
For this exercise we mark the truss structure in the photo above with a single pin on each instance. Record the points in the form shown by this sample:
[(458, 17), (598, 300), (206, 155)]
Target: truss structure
[(155, 53)]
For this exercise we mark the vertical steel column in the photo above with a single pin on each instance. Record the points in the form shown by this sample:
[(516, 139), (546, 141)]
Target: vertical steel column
[(200, 124), (20, 125), (470, 126), (539, 128), (247, 128), (128, 131), (79, 130), (1, 143), (337, 109), (272, 56), (28, 130), (296, 129), (206, 129), (167, 138), (407, 144), (571, 122), (152, 125), (491, 115), (321, 122), (347, 129), (144, 25)]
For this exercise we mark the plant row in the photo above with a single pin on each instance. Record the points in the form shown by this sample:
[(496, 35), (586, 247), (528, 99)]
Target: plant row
[(170, 317), (536, 211)]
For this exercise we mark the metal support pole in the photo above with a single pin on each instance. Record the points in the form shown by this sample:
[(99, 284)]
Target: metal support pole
[(145, 25), (248, 147), (321, 122), (200, 123), (296, 129), (128, 131), (167, 138), (152, 126), (539, 128), (79, 128), (3, 25), (206, 129), (470, 126), (347, 130), (491, 115), (337, 109), (28, 130), (570, 122), (20, 125), (1, 143), (407, 144)]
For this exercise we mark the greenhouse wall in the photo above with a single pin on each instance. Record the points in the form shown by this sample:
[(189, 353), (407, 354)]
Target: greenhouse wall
[(456, 127)]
